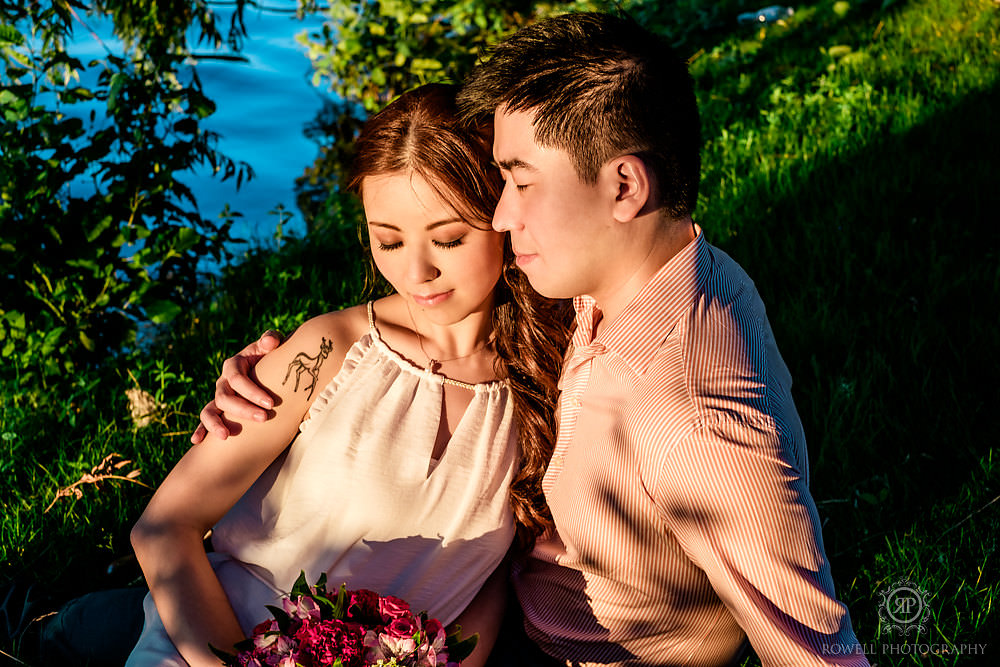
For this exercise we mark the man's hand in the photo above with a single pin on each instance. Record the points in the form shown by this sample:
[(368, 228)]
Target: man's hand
[(236, 395)]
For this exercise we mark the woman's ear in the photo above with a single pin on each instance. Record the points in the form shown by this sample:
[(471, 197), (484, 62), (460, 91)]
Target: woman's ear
[(634, 187)]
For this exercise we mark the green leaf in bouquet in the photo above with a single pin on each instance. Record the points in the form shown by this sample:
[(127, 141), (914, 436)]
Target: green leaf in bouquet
[(283, 619), (459, 649), (327, 608), (300, 587), (321, 585), (340, 604)]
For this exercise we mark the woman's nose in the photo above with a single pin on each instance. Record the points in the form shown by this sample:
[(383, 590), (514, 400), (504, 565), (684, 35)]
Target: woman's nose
[(422, 268)]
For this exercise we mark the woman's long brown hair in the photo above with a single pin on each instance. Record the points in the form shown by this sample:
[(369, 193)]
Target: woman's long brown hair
[(420, 132)]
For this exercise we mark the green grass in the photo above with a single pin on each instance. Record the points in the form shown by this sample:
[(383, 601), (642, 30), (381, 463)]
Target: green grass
[(850, 164)]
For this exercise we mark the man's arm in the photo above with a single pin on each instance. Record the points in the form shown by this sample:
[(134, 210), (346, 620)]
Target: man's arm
[(236, 393), (744, 515)]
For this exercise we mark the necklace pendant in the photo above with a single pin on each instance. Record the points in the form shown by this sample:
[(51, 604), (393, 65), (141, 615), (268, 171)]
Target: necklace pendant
[(433, 365)]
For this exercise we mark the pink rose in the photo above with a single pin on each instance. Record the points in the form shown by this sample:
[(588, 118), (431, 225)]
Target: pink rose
[(392, 607), (402, 626)]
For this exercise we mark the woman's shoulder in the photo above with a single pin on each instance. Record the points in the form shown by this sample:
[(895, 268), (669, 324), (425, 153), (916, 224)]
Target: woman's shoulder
[(342, 327), (312, 356)]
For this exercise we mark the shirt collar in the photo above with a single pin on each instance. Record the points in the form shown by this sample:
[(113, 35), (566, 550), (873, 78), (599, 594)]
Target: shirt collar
[(638, 332), (588, 315)]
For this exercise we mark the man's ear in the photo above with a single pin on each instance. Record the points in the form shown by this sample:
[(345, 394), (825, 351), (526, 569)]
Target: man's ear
[(634, 187)]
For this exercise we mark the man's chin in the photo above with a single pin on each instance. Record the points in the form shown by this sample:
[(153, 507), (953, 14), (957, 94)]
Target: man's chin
[(548, 290)]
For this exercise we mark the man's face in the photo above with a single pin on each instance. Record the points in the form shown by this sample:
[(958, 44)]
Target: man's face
[(559, 226)]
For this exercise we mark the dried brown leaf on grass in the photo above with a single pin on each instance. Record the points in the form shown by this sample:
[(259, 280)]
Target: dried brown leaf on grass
[(109, 468), (143, 406)]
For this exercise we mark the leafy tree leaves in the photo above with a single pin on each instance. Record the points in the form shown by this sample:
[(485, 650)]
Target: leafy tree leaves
[(97, 234)]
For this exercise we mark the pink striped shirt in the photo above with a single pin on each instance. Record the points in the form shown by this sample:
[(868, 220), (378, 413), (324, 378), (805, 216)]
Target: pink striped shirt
[(679, 489)]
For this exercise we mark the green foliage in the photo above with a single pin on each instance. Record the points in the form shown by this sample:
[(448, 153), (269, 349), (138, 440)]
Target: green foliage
[(950, 552), (97, 232), (372, 51)]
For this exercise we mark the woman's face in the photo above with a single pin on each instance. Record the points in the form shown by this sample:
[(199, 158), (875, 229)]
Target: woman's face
[(438, 262)]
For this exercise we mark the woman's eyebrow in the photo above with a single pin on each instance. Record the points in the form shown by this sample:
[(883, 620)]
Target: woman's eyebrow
[(433, 225), (442, 223)]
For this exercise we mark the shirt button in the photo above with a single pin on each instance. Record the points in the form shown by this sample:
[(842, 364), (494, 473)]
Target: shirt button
[(576, 402)]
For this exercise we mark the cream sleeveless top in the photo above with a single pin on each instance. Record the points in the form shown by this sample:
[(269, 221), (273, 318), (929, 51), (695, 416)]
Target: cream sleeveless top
[(357, 495)]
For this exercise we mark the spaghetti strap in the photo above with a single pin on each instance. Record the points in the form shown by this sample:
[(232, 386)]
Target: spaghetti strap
[(371, 317)]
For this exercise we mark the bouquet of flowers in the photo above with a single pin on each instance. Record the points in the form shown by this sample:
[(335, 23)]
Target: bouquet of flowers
[(319, 628)]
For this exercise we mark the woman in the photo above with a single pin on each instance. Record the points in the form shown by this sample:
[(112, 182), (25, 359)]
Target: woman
[(406, 474)]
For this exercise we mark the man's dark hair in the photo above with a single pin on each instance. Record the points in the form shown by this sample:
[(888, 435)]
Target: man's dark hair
[(600, 86)]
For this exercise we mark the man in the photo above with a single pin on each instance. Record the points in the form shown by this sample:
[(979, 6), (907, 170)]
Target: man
[(679, 482)]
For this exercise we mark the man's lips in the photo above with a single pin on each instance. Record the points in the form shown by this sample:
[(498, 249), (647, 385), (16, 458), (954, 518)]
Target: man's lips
[(523, 259), (428, 300)]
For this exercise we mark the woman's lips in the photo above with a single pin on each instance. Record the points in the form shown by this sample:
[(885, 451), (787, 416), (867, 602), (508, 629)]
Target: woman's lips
[(431, 299)]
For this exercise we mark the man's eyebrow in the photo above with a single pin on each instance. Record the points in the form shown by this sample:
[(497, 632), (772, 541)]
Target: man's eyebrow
[(515, 163), (433, 225)]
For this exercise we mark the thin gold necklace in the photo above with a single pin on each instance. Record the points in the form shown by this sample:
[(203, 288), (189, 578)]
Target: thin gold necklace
[(434, 364)]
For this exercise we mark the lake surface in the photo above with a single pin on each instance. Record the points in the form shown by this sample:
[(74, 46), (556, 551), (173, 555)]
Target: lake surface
[(263, 106)]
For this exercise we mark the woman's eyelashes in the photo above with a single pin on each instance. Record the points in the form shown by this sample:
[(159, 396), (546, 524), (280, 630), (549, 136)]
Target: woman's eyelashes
[(453, 243)]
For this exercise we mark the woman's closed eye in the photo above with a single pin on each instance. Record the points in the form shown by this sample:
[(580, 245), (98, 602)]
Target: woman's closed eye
[(454, 243), (389, 246)]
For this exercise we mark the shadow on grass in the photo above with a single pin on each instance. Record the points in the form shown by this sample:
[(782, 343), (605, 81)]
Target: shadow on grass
[(881, 273)]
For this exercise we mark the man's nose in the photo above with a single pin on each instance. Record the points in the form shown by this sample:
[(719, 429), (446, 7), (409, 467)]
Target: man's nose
[(506, 217)]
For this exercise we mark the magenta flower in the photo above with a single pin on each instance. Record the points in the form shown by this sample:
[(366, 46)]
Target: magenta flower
[(364, 608), (320, 644), (392, 607), (402, 627), (316, 631)]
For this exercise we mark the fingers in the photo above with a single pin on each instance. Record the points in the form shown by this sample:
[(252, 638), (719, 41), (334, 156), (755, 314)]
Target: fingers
[(240, 400), (236, 395), (269, 340), (212, 422), (199, 434)]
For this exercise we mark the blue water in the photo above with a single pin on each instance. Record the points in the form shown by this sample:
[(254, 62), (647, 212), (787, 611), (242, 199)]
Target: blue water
[(263, 106)]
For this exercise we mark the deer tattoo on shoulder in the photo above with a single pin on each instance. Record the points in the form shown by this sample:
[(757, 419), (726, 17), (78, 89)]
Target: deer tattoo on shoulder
[(303, 363)]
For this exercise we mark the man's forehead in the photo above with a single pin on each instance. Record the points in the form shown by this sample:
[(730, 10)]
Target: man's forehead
[(514, 133)]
